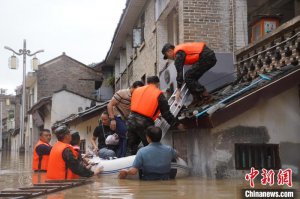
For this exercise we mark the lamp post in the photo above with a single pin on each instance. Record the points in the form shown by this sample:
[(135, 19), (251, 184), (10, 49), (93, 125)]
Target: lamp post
[(13, 62)]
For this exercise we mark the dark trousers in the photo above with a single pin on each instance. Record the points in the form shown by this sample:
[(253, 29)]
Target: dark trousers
[(137, 126), (206, 61), (121, 131), (121, 152)]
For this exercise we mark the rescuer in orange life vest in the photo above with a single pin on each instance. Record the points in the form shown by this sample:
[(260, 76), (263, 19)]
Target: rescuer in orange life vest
[(201, 58), (147, 102), (63, 160), (41, 152)]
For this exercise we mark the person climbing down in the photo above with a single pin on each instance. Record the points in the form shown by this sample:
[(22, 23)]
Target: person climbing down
[(201, 58)]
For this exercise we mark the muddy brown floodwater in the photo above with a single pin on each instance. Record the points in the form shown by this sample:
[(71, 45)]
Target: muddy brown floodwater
[(15, 171)]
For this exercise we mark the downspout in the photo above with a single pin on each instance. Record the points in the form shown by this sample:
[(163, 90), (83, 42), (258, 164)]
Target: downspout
[(233, 30)]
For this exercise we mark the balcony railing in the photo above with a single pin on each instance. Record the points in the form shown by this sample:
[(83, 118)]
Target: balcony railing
[(272, 52)]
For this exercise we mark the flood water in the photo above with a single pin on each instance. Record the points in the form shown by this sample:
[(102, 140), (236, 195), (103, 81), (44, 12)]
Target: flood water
[(15, 171)]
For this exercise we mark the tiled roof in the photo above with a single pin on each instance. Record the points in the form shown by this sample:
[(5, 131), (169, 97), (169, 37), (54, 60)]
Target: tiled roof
[(276, 55), (287, 76), (39, 104), (86, 113)]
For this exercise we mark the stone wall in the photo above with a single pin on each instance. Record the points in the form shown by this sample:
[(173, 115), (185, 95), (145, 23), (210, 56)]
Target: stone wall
[(65, 72)]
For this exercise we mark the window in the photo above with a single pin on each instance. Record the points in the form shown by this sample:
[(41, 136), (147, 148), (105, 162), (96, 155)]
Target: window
[(11, 114), (138, 32), (258, 156), (173, 27), (3, 91)]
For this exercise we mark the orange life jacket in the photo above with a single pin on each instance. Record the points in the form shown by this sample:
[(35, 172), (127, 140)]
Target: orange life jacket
[(192, 51), (40, 163), (144, 101), (76, 153), (38, 177), (57, 166)]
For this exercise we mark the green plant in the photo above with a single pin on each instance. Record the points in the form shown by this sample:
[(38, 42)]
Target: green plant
[(110, 81)]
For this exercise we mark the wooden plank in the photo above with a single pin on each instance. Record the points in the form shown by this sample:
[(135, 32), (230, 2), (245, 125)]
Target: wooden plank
[(14, 194), (62, 181), (54, 184), (35, 190), (50, 186), (51, 191), (23, 191), (39, 187)]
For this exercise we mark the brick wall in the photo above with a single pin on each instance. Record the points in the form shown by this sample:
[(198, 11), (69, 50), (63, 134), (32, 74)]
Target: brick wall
[(62, 71), (240, 24), (208, 21)]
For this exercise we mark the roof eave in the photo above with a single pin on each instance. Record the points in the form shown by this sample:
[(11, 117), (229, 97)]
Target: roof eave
[(130, 15), (246, 102)]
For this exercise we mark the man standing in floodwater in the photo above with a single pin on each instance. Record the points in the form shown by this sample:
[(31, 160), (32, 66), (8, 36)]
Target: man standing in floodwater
[(41, 151), (153, 160), (118, 110), (63, 160)]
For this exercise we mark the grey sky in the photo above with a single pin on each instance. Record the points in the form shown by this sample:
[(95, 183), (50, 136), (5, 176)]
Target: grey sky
[(81, 28)]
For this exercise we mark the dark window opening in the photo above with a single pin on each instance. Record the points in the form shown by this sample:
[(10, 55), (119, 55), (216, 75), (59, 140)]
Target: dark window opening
[(143, 26), (267, 15), (258, 156), (98, 84), (82, 146)]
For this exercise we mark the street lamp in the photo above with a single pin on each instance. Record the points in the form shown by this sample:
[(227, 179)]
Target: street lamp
[(13, 65)]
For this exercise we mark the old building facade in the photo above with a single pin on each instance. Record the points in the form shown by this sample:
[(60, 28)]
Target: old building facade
[(7, 117), (63, 75), (225, 26), (218, 146), (64, 71), (175, 22)]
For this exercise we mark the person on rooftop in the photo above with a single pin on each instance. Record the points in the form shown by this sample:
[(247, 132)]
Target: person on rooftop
[(201, 58)]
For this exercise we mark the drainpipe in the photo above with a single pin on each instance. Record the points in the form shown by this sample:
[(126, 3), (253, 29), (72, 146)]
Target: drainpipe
[(233, 30)]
